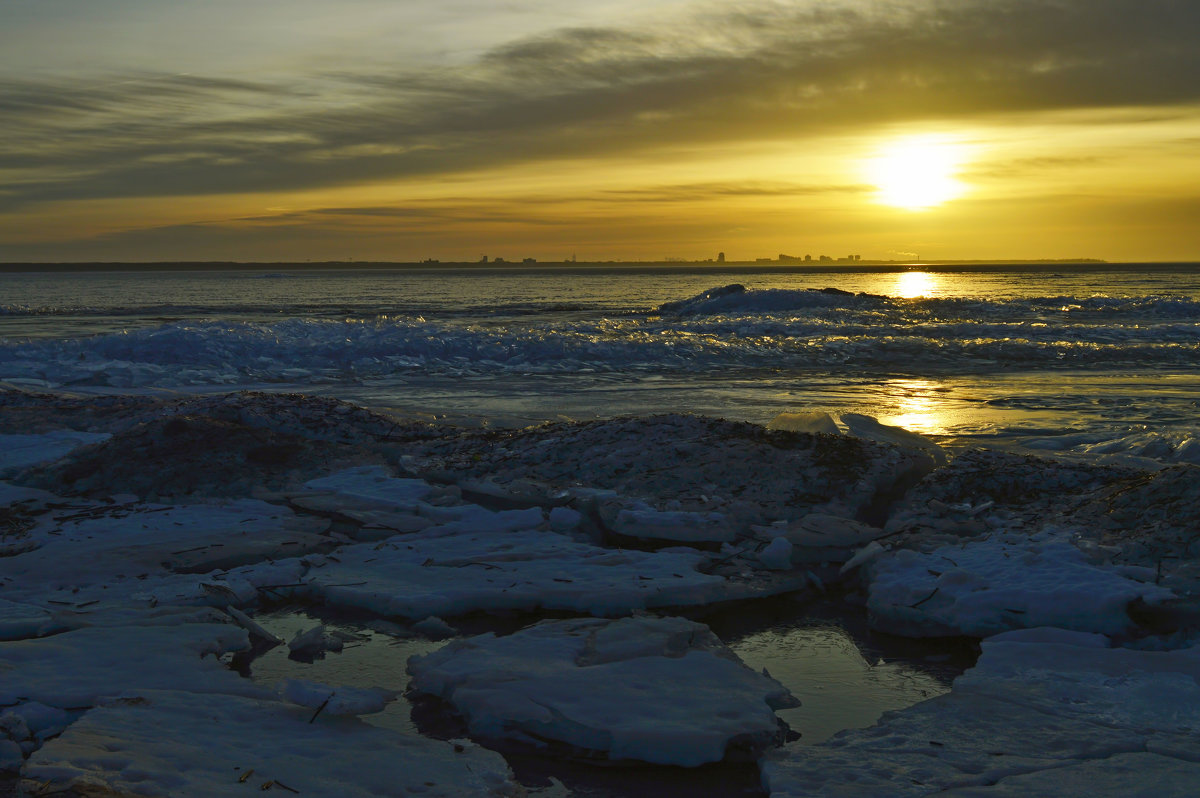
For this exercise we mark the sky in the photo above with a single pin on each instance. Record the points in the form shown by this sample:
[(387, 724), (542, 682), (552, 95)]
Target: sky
[(292, 130)]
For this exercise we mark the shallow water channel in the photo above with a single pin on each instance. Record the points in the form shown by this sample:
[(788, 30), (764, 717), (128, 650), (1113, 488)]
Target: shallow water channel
[(844, 675)]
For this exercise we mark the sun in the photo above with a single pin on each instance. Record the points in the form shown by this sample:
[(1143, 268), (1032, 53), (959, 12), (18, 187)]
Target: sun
[(917, 172)]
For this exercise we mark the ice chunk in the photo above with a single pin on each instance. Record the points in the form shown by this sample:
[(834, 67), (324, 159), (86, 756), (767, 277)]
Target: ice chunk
[(564, 519), (314, 642), (180, 744), (639, 520), (660, 690), (434, 628), (989, 586), (777, 556), (364, 489), (330, 700), (867, 427), (814, 422)]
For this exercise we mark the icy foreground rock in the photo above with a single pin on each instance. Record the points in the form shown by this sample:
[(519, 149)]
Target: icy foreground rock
[(1044, 712), (660, 690), (685, 463), (181, 744)]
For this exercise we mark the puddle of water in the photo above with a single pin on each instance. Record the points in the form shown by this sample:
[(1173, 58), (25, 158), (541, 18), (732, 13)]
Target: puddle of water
[(844, 677), (838, 687), (376, 659)]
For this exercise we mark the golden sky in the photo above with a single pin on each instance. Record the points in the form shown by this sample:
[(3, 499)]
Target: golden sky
[(611, 129)]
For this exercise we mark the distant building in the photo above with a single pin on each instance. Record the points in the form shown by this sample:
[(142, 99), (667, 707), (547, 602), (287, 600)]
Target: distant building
[(720, 257), (528, 261)]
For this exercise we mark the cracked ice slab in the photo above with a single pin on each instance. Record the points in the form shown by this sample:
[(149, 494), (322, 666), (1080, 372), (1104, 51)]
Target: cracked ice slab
[(77, 669), (659, 690), (105, 552), (1042, 710), (450, 570), (181, 744), (993, 585)]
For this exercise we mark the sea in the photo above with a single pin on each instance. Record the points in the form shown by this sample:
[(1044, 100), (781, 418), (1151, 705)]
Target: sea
[(1060, 355)]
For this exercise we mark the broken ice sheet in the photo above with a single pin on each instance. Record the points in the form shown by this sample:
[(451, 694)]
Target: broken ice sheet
[(182, 744), (658, 690)]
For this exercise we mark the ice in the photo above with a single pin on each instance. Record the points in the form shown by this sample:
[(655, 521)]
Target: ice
[(867, 427), (639, 520), (813, 422), (660, 690), (21, 451), (1044, 712), (314, 642), (76, 669), (104, 552), (366, 488), (19, 620), (564, 519), (181, 744), (335, 700), (458, 568), (818, 537), (983, 587), (777, 556)]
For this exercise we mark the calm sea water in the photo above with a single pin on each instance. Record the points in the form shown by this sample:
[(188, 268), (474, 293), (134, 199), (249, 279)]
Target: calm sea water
[(972, 353)]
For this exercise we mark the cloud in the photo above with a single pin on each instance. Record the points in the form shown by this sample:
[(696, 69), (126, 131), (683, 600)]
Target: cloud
[(720, 74)]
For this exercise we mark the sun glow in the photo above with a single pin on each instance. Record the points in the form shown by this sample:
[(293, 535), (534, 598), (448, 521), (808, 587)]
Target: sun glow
[(917, 172)]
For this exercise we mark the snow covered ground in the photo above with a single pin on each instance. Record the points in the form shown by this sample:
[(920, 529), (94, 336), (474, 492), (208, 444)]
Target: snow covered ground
[(137, 549)]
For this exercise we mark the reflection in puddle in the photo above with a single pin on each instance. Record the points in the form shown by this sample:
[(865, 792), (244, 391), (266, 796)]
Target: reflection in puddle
[(837, 686), (376, 659)]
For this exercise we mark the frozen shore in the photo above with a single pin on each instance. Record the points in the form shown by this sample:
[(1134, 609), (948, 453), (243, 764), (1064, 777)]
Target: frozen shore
[(144, 542)]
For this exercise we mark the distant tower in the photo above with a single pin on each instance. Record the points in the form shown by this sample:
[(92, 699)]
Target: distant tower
[(720, 257)]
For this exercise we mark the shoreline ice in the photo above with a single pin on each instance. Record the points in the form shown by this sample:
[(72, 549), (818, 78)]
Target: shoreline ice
[(133, 559)]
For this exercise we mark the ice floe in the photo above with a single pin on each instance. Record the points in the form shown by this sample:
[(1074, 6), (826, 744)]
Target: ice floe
[(661, 690), (983, 587), (183, 744)]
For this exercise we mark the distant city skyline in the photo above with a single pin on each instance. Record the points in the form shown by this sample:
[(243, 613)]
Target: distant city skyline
[(398, 130)]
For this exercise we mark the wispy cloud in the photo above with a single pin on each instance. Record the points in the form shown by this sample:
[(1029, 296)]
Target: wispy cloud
[(718, 74)]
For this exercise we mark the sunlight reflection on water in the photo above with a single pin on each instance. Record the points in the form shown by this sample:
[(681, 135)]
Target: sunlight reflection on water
[(916, 285)]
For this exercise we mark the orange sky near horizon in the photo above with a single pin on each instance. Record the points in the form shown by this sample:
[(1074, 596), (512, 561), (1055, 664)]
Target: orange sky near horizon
[(620, 131)]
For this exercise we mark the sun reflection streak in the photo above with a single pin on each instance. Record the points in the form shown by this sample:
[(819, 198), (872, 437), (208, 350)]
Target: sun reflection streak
[(920, 407), (915, 285)]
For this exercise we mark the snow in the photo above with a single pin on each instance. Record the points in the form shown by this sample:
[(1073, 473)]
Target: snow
[(659, 690), (986, 586), (1043, 712), (181, 744)]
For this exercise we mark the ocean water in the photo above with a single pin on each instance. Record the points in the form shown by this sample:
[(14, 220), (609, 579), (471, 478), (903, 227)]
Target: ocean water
[(981, 353)]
